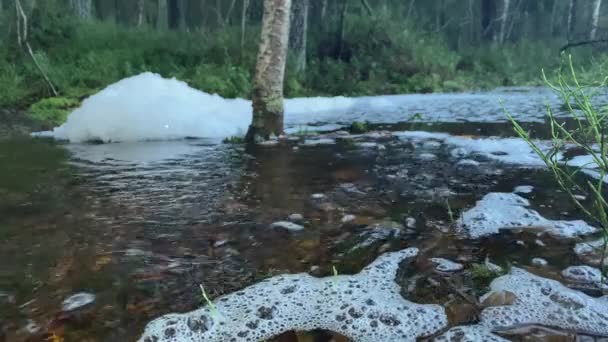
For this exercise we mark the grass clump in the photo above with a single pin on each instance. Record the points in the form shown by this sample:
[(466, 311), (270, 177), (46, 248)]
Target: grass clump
[(483, 274), (589, 134), (358, 127), (53, 110), (235, 139)]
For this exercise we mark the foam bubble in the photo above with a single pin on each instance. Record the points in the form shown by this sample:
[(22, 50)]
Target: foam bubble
[(546, 302), (498, 210), (364, 307)]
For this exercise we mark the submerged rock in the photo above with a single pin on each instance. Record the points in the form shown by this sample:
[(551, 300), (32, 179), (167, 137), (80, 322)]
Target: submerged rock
[(591, 252), (497, 211), (287, 225), (365, 307), (445, 265), (523, 189), (296, 218), (540, 301), (77, 301), (539, 262), (585, 275)]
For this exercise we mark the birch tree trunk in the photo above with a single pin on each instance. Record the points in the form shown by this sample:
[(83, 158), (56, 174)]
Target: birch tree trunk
[(571, 19), (503, 20), (141, 6), (244, 11), (162, 22), (270, 71), (299, 32), (595, 19)]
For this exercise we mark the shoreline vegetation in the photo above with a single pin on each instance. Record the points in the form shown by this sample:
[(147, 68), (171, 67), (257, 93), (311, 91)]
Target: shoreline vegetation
[(378, 55)]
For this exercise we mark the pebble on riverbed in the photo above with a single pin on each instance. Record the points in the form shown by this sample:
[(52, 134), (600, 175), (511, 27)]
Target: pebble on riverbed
[(77, 301), (585, 275), (287, 225), (446, 266), (366, 307)]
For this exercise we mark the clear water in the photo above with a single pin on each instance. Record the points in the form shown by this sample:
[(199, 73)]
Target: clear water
[(141, 224)]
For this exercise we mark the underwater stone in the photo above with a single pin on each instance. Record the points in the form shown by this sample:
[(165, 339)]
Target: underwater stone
[(591, 252), (546, 302), (287, 225), (585, 275), (77, 301), (539, 262), (499, 210), (365, 307), (445, 265), (523, 189), (296, 218)]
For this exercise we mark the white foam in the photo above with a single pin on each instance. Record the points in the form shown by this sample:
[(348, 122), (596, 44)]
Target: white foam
[(546, 302), (498, 210), (149, 107), (365, 307)]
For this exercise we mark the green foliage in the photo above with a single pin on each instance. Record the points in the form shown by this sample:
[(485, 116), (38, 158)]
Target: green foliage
[(377, 56), (589, 135), (483, 275), (358, 127), (234, 140), (52, 110)]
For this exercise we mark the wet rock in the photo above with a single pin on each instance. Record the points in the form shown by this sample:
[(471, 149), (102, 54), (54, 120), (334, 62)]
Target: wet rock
[(585, 275), (591, 252), (546, 302), (431, 145), (287, 225), (380, 232), (410, 222), (220, 243), (267, 143), (469, 333), (77, 301), (134, 252), (348, 218), (296, 218), (318, 142), (492, 267), (427, 156), (462, 313), (366, 307), (32, 327), (523, 189), (539, 262), (497, 211), (468, 162), (446, 266), (498, 298), (317, 196), (6, 298), (351, 188), (535, 333)]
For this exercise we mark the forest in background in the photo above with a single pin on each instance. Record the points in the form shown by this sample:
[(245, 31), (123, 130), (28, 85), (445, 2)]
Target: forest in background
[(337, 47)]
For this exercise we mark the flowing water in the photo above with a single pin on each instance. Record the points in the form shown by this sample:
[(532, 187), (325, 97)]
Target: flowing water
[(141, 224)]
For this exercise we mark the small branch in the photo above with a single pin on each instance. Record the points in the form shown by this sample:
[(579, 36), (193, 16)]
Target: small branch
[(23, 39), (586, 42), (367, 8)]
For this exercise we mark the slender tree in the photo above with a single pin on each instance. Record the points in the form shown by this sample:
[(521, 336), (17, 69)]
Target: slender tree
[(572, 19), (488, 11), (141, 7), (244, 11), (299, 32), (269, 72), (595, 19), (503, 20), (162, 15)]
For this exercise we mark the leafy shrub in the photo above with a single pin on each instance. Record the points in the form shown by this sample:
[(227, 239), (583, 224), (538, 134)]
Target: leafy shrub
[(52, 110)]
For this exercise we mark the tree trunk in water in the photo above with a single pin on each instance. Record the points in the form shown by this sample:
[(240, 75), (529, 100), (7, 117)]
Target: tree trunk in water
[(488, 11), (571, 19), (141, 7), (503, 20), (162, 15), (270, 71), (595, 19), (298, 33), (323, 9)]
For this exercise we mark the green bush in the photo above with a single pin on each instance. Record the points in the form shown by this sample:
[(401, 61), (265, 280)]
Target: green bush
[(52, 110)]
